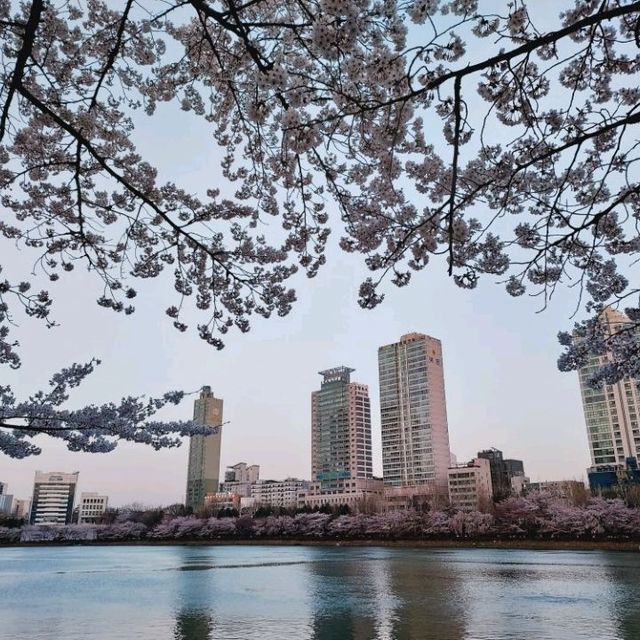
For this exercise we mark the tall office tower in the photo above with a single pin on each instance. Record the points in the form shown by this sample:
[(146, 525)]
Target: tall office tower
[(413, 411), (612, 411), (203, 474), (53, 496), (340, 429)]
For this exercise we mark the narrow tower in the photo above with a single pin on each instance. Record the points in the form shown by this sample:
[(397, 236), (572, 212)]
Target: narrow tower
[(340, 429), (203, 475)]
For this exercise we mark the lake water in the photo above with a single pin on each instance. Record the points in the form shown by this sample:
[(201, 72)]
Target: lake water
[(319, 593)]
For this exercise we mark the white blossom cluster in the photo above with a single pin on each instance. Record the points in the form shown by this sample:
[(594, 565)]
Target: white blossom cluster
[(95, 428), (385, 108)]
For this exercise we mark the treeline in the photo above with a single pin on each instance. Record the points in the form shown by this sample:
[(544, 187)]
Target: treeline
[(535, 517)]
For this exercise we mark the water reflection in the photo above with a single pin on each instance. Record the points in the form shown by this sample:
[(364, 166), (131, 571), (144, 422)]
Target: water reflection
[(298, 593), (378, 595), (193, 625), (624, 578)]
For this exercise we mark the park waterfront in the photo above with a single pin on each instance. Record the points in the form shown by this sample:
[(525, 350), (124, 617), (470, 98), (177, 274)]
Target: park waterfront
[(537, 521)]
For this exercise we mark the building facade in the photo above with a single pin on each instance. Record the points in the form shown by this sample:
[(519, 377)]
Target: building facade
[(92, 507), (470, 485), (6, 500), (242, 472), (340, 429), (22, 508), (278, 493), (203, 473), (341, 457), (612, 412), (239, 478), (413, 412), (53, 497), (6, 504)]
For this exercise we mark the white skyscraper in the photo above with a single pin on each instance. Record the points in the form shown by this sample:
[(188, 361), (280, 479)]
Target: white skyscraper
[(612, 411)]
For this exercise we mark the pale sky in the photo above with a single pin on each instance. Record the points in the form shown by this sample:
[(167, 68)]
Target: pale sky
[(503, 388)]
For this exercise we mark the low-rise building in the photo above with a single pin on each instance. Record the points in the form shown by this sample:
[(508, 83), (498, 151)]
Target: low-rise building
[(614, 476), (519, 485), (356, 493), (22, 508), (278, 493), (566, 489), (420, 497), (470, 487), (91, 508), (239, 478), (222, 500)]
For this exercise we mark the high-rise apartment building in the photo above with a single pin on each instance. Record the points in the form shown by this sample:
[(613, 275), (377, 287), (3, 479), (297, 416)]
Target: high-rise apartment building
[(340, 429), (53, 497), (341, 460), (612, 411), (413, 411), (203, 474)]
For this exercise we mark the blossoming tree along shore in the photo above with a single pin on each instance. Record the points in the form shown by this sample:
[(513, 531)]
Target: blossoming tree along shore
[(382, 107)]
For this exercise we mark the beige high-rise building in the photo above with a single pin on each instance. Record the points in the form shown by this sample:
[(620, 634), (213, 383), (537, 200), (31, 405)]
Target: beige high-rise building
[(203, 475), (413, 411), (611, 412)]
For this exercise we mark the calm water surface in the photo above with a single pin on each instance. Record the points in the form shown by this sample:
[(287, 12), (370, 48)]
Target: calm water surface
[(319, 593)]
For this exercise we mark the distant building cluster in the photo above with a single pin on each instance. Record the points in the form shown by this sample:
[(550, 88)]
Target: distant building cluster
[(53, 501), (419, 470)]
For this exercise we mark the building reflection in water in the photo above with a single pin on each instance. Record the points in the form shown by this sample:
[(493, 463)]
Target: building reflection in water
[(195, 592), (622, 573), (382, 594), (193, 625)]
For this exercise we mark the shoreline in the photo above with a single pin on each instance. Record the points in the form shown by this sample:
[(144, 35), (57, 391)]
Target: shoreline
[(531, 545)]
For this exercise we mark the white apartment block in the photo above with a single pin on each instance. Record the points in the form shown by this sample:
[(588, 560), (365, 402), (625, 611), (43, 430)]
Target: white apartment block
[(53, 497), (91, 508), (470, 486), (611, 412), (278, 493), (354, 493)]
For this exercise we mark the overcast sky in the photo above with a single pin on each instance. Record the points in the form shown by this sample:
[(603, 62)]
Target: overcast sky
[(503, 388)]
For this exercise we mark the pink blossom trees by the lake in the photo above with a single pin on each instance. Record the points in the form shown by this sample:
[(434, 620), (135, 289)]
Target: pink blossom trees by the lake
[(497, 143), (538, 517)]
